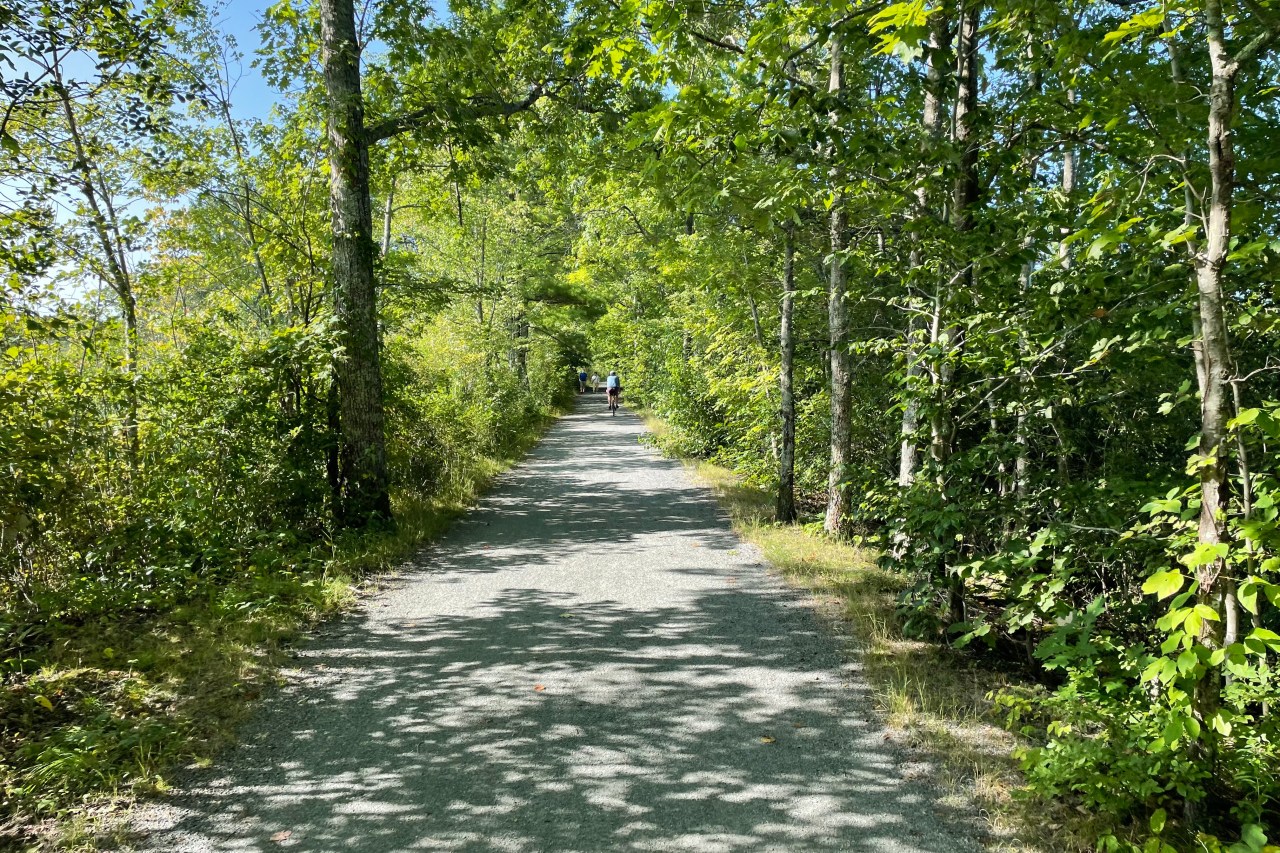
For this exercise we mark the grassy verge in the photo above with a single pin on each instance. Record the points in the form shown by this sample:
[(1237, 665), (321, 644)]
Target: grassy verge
[(102, 713), (931, 698)]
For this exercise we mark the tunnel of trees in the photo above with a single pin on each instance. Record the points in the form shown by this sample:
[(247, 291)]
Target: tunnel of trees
[(991, 285)]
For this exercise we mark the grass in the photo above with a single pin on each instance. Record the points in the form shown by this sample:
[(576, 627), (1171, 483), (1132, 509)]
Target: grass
[(102, 714), (931, 698)]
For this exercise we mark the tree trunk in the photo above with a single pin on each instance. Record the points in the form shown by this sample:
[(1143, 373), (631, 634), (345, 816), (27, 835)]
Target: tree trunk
[(246, 195), (106, 229), (786, 508), (362, 453), (1070, 163), (1215, 402), (935, 60), (946, 334), (1031, 163), (837, 326), (520, 348), (387, 210)]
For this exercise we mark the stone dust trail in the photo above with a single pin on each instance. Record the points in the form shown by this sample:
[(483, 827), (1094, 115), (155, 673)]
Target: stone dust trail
[(588, 661)]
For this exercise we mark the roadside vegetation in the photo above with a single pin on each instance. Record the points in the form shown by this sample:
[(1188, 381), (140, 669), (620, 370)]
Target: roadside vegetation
[(100, 710), (937, 702)]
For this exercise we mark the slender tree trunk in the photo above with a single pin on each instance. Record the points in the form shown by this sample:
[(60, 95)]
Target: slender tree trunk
[(935, 61), (838, 327), (387, 210), (362, 455), (908, 452), (1070, 164), (787, 413), (246, 199), (1031, 162), (1215, 403), (106, 230), (946, 334), (759, 335), (520, 348)]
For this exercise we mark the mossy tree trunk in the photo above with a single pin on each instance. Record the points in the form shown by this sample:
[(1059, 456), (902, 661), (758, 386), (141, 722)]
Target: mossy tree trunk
[(362, 457)]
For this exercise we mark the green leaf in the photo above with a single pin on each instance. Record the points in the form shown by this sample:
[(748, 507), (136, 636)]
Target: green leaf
[(1139, 23), (1246, 417), (1206, 613), (1267, 637), (1158, 820), (1164, 584), (1248, 596), (1206, 553)]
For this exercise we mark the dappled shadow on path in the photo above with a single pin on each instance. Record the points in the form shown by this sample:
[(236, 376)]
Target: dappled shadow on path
[(543, 685)]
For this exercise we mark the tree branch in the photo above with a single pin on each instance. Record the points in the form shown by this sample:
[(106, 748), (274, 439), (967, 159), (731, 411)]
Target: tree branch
[(476, 107), (1256, 46), (764, 66)]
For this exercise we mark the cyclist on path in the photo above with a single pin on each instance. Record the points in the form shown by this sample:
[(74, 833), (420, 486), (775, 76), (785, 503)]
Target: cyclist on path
[(613, 390)]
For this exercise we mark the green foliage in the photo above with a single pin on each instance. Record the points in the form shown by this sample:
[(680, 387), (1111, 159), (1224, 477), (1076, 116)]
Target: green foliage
[(167, 510)]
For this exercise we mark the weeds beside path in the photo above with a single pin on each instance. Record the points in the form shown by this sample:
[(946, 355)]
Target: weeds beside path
[(931, 698), (94, 714)]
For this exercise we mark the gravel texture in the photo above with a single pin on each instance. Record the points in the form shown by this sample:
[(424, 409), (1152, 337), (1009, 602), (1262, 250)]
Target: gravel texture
[(589, 660)]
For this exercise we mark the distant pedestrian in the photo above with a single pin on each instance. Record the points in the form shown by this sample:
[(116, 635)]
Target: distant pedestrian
[(582, 381), (595, 382)]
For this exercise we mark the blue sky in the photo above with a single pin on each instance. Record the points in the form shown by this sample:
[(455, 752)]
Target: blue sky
[(252, 97)]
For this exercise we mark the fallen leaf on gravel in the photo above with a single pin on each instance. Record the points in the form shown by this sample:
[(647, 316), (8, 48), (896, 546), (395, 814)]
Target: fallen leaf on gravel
[(282, 835), (566, 615), (539, 687), (768, 739), (799, 725)]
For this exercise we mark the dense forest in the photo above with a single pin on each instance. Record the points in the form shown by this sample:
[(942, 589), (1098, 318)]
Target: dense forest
[(990, 286)]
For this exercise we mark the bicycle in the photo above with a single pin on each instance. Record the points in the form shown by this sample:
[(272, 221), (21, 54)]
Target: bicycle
[(614, 395)]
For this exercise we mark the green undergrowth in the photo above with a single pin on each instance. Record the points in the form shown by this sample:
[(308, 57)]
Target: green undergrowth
[(931, 698), (96, 714)]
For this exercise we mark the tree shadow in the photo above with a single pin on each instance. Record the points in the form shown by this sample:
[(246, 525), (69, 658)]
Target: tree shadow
[(526, 689)]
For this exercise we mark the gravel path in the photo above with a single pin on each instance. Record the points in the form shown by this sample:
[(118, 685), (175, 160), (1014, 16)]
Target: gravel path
[(588, 661)]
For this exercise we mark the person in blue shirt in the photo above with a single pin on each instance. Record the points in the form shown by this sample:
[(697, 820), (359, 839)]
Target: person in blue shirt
[(582, 381), (613, 390)]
